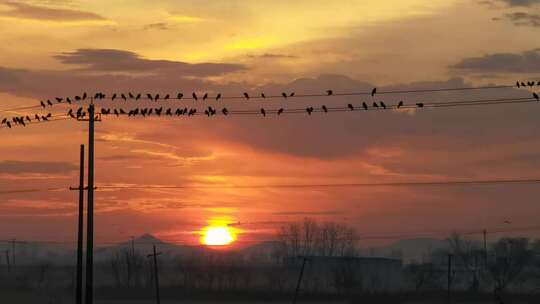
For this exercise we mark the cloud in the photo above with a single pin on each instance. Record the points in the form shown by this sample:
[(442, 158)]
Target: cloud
[(273, 56), (27, 11), (522, 3), (308, 213), (110, 60), (522, 19), (157, 26), (524, 62), (21, 167)]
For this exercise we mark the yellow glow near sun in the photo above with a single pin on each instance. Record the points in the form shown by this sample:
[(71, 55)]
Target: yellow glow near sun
[(218, 232)]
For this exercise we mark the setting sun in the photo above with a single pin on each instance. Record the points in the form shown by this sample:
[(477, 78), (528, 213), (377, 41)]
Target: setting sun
[(217, 236)]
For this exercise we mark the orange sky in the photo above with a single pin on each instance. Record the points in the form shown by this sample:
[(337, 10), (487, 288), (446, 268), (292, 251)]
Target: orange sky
[(61, 48)]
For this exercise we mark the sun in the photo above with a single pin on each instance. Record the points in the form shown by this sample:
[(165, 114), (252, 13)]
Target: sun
[(217, 236)]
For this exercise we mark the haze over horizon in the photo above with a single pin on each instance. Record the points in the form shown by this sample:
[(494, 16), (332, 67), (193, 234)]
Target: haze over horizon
[(62, 48)]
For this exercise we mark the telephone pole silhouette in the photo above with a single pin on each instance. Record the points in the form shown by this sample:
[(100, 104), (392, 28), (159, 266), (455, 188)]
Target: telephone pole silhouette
[(450, 256), (78, 295), (156, 273), (8, 264), (298, 284), (485, 249)]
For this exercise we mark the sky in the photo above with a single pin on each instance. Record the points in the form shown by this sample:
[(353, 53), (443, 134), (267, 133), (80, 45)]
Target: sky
[(62, 48)]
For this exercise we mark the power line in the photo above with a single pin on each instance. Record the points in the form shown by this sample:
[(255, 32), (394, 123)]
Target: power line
[(524, 181)]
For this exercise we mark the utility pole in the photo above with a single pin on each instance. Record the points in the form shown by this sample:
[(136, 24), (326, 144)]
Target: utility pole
[(485, 249), (298, 284), (133, 246), (156, 274), (78, 295), (13, 241), (449, 276)]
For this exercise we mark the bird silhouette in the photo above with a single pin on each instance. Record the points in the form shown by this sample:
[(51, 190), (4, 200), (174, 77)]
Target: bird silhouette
[(350, 106), (517, 84), (375, 105), (28, 118), (207, 113), (116, 112), (373, 92), (400, 104), (84, 96), (530, 83), (292, 94), (179, 96), (44, 118), (365, 106), (325, 109), (218, 96), (130, 95), (3, 121), (280, 111), (263, 96), (507, 222), (42, 104), (420, 104), (246, 95), (523, 84), (383, 105), (538, 84), (123, 97), (192, 112), (138, 97), (284, 95), (150, 97), (158, 111), (194, 96), (205, 96), (309, 110), (78, 98), (37, 117), (263, 112), (49, 102), (122, 111), (70, 113), (166, 97), (535, 95), (8, 124), (330, 92), (168, 112), (225, 111), (156, 97), (59, 100), (113, 97), (68, 100), (150, 111)]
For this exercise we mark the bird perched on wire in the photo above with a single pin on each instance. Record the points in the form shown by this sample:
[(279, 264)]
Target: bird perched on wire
[(365, 106), (192, 112), (284, 95), (225, 111), (168, 112), (291, 95), (194, 96), (246, 95), (156, 97), (205, 96), (131, 96), (3, 121), (138, 97), (218, 96), (373, 92), (375, 105), (420, 104), (179, 96), (517, 84), (167, 97), (530, 83), (123, 96), (42, 104), (535, 95), (325, 109), (263, 96), (59, 100), (280, 111), (383, 105), (68, 100), (329, 92), (400, 104), (84, 96), (149, 96), (36, 117), (351, 107), (49, 102), (263, 112), (158, 111), (309, 110), (113, 97)]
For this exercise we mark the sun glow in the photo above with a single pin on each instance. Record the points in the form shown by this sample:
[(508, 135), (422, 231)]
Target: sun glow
[(218, 235)]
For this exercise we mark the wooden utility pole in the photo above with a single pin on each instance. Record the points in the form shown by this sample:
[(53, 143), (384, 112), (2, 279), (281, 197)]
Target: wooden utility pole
[(13, 241), (449, 276), (299, 283), (90, 212), (485, 249), (8, 264), (156, 273), (79, 290)]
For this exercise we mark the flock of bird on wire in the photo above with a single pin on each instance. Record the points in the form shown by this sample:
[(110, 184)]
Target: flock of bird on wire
[(81, 113)]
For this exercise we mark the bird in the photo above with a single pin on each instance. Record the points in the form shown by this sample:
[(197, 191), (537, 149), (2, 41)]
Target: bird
[(158, 111), (383, 105), (168, 112), (49, 102), (42, 104), (179, 96), (78, 98), (116, 112), (225, 111), (375, 105), (400, 104), (538, 84), (420, 104), (178, 112), (156, 97), (59, 100), (365, 106), (103, 111), (292, 94), (194, 96), (205, 96), (144, 112), (535, 95), (150, 97), (373, 92), (325, 109), (330, 92), (517, 84), (138, 97), (28, 118), (166, 97), (84, 96), (507, 222), (122, 111), (280, 111), (8, 124), (530, 83), (113, 97), (218, 96), (4, 121), (263, 112), (68, 100), (123, 97), (130, 95), (350, 106), (284, 95), (207, 113), (523, 84), (309, 110), (246, 95), (150, 111), (37, 117), (263, 96), (44, 118), (192, 112)]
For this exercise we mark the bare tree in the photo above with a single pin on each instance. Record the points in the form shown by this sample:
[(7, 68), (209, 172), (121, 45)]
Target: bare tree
[(508, 259)]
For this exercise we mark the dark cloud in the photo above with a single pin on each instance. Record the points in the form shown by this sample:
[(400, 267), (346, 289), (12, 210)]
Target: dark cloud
[(308, 213), (273, 56), (525, 62), (157, 26), (109, 60), (523, 3), (19, 167), (28, 11), (521, 19)]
